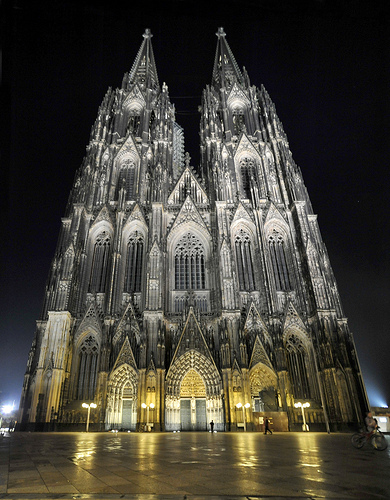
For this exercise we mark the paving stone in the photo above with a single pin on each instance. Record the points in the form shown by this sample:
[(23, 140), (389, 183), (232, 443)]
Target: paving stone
[(203, 466)]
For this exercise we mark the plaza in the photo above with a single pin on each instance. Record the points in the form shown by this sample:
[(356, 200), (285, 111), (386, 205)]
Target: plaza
[(191, 465)]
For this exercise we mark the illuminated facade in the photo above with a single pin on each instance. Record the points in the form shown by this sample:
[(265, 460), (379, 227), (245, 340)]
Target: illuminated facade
[(176, 295)]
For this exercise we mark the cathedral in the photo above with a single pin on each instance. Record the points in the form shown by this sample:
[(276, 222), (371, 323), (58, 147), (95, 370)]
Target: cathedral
[(183, 295)]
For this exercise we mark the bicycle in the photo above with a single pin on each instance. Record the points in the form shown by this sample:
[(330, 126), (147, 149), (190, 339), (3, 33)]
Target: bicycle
[(376, 439)]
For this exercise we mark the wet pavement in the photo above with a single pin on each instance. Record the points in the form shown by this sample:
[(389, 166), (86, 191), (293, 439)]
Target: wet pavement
[(173, 466)]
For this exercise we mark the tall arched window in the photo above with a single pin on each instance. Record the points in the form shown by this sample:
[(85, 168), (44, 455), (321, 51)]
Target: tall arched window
[(126, 179), (100, 263), (134, 122), (248, 176), (189, 264), (88, 356), (277, 250), (297, 358), (244, 258), (67, 263), (238, 120), (134, 263)]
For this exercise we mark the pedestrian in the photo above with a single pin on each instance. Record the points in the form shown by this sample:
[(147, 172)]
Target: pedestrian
[(266, 426), (212, 426)]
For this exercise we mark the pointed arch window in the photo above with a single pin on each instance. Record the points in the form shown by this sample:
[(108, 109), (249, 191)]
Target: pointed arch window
[(277, 248), (67, 264), (238, 120), (297, 360), (134, 263), (248, 176), (133, 126), (100, 263), (244, 257), (190, 269), (126, 180), (88, 355)]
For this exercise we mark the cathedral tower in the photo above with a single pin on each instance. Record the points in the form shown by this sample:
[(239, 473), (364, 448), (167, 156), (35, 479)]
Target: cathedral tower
[(177, 295)]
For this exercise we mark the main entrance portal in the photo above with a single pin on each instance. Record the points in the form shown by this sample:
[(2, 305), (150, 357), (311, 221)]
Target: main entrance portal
[(193, 415), (127, 414), (193, 403), (193, 394)]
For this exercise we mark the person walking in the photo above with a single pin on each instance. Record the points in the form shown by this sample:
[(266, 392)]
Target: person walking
[(212, 426), (266, 426)]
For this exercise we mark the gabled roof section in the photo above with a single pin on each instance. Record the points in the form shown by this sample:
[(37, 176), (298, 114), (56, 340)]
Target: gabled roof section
[(90, 321), (259, 355), (245, 146), (144, 70), (236, 366), (225, 152), (189, 213), (225, 248), (151, 367), (226, 71), (104, 215), (241, 213), (125, 356), (137, 214), (255, 323), (128, 320), (135, 95), (192, 338), (274, 214), (188, 184), (236, 95), (70, 250), (253, 318), (128, 149), (155, 250), (293, 321)]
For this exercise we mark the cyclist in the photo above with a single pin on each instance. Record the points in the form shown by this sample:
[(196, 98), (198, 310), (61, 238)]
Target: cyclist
[(370, 422)]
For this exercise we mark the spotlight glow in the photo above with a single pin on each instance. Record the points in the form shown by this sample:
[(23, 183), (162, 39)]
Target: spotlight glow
[(7, 408)]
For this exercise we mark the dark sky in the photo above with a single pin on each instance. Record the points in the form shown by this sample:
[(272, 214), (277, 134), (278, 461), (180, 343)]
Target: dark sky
[(326, 67)]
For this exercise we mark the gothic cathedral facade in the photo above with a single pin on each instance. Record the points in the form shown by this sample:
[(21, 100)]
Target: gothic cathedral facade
[(180, 296)]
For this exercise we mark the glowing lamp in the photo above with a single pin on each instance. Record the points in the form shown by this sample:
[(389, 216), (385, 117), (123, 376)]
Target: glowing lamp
[(246, 405), (302, 406)]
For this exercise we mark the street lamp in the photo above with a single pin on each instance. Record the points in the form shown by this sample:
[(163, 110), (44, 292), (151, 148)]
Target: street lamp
[(89, 406), (147, 413), (305, 427), (246, 405)]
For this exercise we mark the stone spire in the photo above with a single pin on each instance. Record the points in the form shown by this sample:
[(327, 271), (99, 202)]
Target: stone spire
[(226, 71), (144, 70)]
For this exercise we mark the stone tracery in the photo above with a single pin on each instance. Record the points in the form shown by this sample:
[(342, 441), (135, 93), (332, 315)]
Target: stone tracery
[(160, 277)]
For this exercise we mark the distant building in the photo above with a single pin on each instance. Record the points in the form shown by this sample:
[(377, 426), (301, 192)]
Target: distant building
[(176, 294), (382, 415)]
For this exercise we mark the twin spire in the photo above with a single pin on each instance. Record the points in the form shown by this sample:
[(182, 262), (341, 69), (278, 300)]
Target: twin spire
[(144, 70), (225, 72)]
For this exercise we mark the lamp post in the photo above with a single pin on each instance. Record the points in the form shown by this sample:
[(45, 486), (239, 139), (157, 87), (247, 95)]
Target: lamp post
[(305, 427), (89, 406), (147, 413), (246, 405)]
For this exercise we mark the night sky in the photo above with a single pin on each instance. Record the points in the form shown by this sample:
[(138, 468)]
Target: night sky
[(326, 68)]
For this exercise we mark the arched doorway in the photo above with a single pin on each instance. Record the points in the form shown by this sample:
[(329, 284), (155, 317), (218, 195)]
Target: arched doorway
[(122, 399), (193, 402), (264, 392), (193, 394)]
